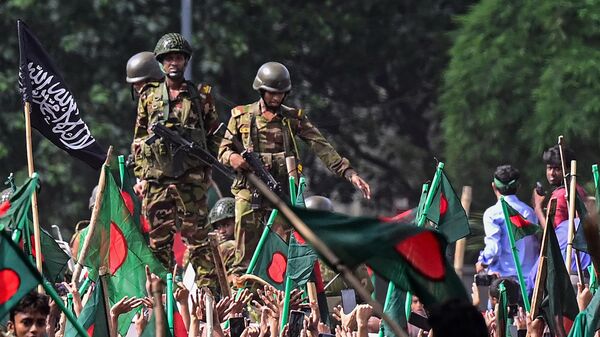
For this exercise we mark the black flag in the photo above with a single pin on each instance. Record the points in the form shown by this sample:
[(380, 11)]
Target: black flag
[(54, 112)]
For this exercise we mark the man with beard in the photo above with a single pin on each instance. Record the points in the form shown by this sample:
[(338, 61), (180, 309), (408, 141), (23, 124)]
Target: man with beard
[(175, 183), (269, 128)]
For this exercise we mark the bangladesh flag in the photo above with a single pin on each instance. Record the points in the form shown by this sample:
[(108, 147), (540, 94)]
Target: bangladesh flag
[(521, 227), (411, 257), (131, 200), (411, 215), (14, 212), (301, 260), (118, 247), (54, 260), (271, 265), (447, 212), (17, 275), (587, 322), (559, 306), (93, 317)]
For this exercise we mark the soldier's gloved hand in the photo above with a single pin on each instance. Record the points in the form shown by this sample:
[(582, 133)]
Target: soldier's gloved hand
[(361, 185), (238, 162)]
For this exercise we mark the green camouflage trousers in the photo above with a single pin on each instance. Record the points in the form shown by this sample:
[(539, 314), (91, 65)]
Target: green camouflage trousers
[(180, 205), (249, 225)]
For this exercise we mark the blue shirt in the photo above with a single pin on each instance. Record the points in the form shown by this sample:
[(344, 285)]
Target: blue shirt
[(497, 253)]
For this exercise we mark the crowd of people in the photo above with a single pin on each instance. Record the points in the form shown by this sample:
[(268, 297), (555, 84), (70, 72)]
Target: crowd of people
[(173, 187)]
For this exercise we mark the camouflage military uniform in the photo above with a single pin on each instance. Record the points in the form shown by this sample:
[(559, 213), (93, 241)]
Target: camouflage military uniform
[(274, 141), (175, 194)]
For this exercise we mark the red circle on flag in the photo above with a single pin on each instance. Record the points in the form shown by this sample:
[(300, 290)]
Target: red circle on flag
[(11, 282), (276, 268), (424, 253), (90, 330), (118, 248), (4, 207), (443, 205)]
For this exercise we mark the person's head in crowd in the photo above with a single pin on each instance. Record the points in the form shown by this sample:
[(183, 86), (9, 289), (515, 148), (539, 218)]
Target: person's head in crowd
[(28, 317), (457, 318), (506, 180), (554, 172), (222, 218), (417, 306), (512, 290)]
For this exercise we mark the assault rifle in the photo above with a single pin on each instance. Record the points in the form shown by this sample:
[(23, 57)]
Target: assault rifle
[(253, 160), (175, 139)]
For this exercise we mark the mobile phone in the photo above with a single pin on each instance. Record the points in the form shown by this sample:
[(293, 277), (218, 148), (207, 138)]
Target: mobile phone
[(484, 279), (513, 310), (419, 321), (237, 326), (539, 189), (348, 300), (61, 289), (296, 322)]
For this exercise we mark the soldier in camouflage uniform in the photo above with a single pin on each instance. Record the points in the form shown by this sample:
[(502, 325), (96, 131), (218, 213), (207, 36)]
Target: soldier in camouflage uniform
[(142, 68), (270, 128), (175, 183), (222, 220)]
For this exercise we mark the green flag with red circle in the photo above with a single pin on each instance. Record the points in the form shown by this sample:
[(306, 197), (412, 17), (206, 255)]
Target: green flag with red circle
[(119, 249), (271, 265), (17, 275), (411, 257), (93, 316), (14, 212), (521, 227), (447, 212)]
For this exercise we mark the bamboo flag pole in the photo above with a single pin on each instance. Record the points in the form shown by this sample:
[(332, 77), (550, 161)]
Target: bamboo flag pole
[(459, 250), (325, 251), (540, 278), (571, 233), (511, 238), (95, 212), (34, 205)]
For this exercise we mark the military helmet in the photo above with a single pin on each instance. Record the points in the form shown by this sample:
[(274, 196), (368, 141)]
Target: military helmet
[(223, 209), (318, 202), (6, 194), (272, 76), (172, 42), (143, 66)]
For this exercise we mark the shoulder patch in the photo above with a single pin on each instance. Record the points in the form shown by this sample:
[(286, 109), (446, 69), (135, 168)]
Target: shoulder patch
[(204, 88), (152, 84), (239, 110)]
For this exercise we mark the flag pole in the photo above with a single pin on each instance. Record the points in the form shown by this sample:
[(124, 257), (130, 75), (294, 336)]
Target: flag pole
[(571, 232), (511, 238), (34, 205), (540, 278), (59, 302), (288, 280), (95, 213), (435, 184), (121, 159), (325, 251), (170, 303), (459, 250)]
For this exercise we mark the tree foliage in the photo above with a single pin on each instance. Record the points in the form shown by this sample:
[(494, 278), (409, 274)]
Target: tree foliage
[(365, 72), (521, 74)]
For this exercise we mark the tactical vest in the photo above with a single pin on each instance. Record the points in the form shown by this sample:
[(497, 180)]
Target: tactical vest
[(273, 159), (161, 159)]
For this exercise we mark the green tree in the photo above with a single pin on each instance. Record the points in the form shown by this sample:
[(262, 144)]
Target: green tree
[(521, 74)]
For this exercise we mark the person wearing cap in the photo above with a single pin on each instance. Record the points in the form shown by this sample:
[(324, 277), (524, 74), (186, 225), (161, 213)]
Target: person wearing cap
[(497, 256), (270, 128), (174, 183)]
